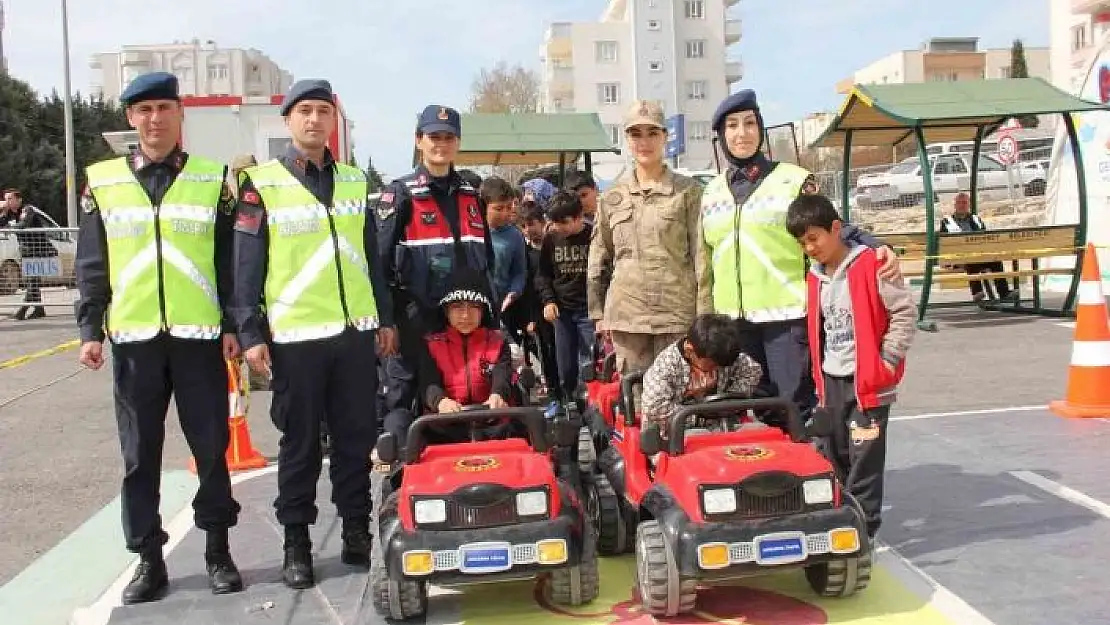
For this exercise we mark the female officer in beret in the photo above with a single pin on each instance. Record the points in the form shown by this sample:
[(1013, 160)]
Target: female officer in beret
[(758, 269)]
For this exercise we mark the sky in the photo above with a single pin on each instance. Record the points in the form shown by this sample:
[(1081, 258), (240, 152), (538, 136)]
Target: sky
[(388, 59)]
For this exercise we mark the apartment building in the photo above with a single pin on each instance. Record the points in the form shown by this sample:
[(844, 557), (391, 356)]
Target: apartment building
[(1079, 29), (203, 69), (946, 59), (672, 51)]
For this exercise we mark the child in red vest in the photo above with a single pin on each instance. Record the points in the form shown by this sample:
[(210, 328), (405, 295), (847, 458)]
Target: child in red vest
[(466, 362), (860, 327)]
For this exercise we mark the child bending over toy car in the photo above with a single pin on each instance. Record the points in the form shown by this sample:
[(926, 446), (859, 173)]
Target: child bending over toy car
[(466, 363), (707, 361)]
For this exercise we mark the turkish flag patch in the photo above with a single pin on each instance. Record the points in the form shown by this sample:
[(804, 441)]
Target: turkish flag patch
[(248, 221), (251, 197)]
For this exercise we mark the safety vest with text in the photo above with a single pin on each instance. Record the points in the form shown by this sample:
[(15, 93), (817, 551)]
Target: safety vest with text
[(759, 269), (318, 278), (161, 259)]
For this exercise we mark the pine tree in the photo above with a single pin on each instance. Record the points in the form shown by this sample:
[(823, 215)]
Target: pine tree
[(1020, 69)]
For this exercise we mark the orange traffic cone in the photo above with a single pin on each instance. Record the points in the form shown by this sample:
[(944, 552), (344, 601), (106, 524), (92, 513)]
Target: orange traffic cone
[(241, 454), (1089, 377)]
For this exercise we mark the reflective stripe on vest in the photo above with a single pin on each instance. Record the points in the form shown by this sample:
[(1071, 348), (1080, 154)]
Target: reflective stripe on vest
[(954, 226), (427, 252), (466, 363), (161, 260), (311, 248), (762, 278)]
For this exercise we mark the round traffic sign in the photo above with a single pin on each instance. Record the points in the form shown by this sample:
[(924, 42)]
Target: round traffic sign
[(1007, 149)]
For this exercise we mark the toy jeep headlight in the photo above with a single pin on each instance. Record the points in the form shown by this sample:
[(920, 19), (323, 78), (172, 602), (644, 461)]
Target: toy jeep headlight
[(818, 491), (719, 500), (430, 511), (531, 503)]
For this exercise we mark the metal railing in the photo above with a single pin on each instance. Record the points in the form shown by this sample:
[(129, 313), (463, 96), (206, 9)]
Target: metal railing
[(37, 266)]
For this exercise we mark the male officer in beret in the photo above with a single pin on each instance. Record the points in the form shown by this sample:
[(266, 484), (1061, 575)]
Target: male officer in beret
[(429, 222), (153, 256), (305, 249)]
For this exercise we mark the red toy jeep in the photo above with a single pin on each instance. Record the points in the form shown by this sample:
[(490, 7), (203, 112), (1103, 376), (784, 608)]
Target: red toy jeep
[(725, 504), (474, 512)]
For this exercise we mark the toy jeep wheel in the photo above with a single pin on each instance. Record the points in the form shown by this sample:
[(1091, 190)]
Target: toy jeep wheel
[(840, 578), (604, 509), (587, 455), (577, 585), (398, 600), (663, 592)]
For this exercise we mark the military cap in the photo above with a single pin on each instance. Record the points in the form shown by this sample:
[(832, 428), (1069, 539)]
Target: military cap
[(436, 118), (308, 89), (151, 86), (743, 100), (644, 113)]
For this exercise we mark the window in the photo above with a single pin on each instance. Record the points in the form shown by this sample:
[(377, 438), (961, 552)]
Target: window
[(987, 163), (655, 66), (614, 131), (1079, 37), (606, 51), (697, 89), (609, 93), (653, 25), (697, 131), (695, 9), (217, 72), (695, 49), (1004, 71)]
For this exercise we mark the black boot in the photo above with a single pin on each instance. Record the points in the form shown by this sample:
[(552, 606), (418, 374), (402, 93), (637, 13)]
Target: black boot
[(223, 575), (36, 312), (18, 316), (296, 571), (356, 542), (150, 581)]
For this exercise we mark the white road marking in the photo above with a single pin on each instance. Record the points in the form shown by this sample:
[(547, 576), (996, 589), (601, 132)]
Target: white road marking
[(1067, 324), (100, 612), (961, 413), (1063, 492), (923, 585)]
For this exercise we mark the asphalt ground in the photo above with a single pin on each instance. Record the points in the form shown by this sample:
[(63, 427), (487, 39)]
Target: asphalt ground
[(998, 506)]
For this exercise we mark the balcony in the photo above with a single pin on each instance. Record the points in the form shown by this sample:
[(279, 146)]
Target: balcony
[(556, 75), (558, 30), (734, 71), (135, 58), (733, 31), (1089, 7)]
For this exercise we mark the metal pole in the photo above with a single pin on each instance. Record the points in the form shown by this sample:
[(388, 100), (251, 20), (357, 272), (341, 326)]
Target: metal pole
[(71, 166)]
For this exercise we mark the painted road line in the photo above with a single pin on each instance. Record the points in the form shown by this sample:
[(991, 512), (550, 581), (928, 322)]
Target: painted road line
[(34, 597), (967, 413), (1063, 492), (26, 358), (1067, 324), (100, 612), (923, 584)]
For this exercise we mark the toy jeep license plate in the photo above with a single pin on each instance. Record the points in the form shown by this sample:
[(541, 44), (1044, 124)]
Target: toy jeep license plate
[(485, 558), (779, 549)]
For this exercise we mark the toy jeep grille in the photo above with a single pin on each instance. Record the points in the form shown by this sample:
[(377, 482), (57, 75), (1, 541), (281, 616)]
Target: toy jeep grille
[(751, 506), (461, 516)]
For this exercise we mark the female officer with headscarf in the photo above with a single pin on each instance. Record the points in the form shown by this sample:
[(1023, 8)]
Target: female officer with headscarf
[(758, 269)]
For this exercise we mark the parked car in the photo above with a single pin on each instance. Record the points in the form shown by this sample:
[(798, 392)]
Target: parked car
[(11, 263), (902, 185)]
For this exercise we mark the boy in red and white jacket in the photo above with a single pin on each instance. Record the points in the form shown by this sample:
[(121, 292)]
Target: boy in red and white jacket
[(859, 327)]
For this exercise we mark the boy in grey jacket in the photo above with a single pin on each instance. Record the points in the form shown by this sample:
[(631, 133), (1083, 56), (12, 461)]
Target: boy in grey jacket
[(859, 328)]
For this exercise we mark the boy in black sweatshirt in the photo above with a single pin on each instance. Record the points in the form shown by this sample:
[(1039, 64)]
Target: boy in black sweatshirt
[(561, 282)]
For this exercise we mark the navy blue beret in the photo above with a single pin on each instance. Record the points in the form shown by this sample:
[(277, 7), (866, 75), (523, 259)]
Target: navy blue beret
[(743, 100), (151, 86), (308, 89), (436, 118)]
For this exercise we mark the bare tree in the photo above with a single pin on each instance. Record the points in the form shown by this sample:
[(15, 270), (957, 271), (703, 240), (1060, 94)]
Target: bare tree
[(505, 89)]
